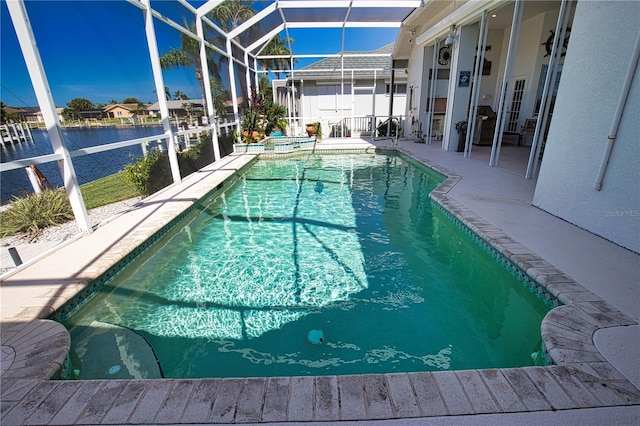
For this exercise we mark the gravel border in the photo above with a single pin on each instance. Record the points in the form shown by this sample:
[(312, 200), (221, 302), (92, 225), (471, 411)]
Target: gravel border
[(70, 229)]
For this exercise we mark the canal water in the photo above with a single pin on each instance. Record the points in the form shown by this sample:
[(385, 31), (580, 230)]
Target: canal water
[(88, 167)]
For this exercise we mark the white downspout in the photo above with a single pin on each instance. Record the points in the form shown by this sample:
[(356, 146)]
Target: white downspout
[(633, 65)]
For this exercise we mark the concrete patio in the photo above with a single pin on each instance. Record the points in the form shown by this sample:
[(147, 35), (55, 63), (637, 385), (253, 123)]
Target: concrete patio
[(594, 338)]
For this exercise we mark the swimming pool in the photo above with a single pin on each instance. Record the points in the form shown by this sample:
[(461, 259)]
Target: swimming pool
[(310, 266)]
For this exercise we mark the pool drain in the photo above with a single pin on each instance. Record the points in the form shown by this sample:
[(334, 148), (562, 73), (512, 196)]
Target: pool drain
[(114, 369), (315, 337)]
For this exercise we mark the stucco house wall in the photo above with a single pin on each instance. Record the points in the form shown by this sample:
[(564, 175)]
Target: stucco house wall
[(603, 36)]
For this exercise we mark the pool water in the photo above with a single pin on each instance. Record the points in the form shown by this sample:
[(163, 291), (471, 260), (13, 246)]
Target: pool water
[(334, 264)]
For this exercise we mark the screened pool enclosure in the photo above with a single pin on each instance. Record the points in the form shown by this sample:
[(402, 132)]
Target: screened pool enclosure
[(228, 52)]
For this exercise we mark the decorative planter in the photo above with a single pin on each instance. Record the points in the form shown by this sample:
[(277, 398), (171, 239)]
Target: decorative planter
[(311, 130)]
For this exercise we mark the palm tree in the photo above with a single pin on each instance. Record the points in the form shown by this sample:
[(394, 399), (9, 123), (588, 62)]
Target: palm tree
[(167, 93), (187, 56), (179, 95), (276, 47), (231, 13)]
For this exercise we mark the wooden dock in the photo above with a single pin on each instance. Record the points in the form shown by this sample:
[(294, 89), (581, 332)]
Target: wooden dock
[(15, 133)]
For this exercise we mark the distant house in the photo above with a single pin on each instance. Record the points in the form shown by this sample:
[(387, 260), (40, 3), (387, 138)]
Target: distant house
[(123, 110), (369, 85), (29, 114), (179, 108)]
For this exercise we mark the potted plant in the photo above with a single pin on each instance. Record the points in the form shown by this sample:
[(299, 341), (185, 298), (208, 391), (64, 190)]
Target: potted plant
[(314, 129)]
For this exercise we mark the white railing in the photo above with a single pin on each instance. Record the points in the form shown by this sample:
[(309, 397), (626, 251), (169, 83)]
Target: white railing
[(340, 127)]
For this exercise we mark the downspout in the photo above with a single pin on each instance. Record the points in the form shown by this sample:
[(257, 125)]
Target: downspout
[(633, 65)]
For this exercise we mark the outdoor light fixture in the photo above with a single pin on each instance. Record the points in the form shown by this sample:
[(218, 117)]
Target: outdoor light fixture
[(412, 34), (450, 38)]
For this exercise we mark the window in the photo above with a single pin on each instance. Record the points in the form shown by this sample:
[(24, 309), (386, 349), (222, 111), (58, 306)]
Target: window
[(398, 89)]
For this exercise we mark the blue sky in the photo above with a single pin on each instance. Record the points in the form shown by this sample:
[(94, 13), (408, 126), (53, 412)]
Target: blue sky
[(98, 50)]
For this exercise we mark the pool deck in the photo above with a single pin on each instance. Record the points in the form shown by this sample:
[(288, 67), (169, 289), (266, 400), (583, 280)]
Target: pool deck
[(594, 338)]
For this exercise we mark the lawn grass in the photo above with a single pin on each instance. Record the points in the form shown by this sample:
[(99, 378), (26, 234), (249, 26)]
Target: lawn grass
[(107, 190)]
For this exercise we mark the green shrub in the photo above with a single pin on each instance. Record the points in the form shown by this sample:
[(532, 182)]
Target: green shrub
[(152, 172), (33, 212), (149, 173)]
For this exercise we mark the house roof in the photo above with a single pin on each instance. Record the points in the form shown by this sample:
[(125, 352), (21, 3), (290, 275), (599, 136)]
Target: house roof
[(129, 107), (362, 63), (22, 110)]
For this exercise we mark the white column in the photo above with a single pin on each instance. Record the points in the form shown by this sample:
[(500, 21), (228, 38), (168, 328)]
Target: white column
[(31, 55), (432, 91), (547, 91), (162, 100), (477, 81), (303, 119), (373, 104), (247, 74), (232, 82), (501, 116), (353, 105), (211, 111)]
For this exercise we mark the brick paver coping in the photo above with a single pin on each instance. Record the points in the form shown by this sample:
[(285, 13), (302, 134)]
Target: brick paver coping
[(35, 349)]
